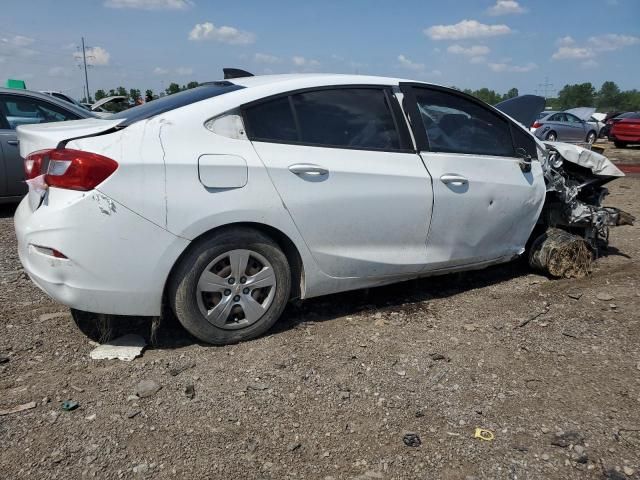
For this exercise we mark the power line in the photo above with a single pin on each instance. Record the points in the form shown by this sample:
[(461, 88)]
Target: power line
[(546, 88)]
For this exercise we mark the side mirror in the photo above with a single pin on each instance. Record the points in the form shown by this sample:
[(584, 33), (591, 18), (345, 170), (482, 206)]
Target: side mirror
[(525, 162)]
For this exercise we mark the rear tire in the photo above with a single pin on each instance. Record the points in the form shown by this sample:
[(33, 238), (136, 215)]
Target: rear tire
[(620, 144), (551, 136), (230, 286), (591, 137)]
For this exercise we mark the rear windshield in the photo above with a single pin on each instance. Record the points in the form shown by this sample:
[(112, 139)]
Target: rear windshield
[(171, 102)]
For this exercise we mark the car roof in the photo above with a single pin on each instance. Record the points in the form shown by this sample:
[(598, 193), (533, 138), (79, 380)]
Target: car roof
[(48, 98), (316, 79)]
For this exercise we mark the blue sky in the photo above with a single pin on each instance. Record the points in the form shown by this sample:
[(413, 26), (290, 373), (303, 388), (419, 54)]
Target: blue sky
[(497, 44)]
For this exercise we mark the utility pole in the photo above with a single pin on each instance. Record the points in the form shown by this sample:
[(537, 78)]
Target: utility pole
[(545, 88), (86, 77)]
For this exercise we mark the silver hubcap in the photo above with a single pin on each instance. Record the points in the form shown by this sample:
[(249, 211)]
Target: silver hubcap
[(591, 138), (236, 289)]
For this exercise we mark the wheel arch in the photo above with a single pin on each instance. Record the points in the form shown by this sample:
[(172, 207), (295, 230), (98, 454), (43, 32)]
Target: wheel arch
[(287, 246)]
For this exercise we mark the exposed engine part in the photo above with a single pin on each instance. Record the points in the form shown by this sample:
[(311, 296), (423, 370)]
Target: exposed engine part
[(561, 254), (575, 177)]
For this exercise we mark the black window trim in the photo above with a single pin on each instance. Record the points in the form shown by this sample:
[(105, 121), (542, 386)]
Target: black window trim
[(4, 123), (406, 145), (419, 131)]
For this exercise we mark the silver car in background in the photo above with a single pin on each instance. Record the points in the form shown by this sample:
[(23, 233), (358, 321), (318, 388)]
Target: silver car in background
[(24, 107), (564, 127)]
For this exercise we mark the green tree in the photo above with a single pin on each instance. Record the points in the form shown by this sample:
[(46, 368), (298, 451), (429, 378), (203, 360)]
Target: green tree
[(192, 85), (629, 101), (121, 91), (100, 94), (513, 93), (134, 94), (172, 88), (609, 96), (578, 95), (148, 95)]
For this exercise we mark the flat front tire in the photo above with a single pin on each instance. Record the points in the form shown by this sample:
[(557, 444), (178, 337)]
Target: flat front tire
[(230, 286)]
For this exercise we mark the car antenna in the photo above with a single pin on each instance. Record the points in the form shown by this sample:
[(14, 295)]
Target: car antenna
[(235, 73)]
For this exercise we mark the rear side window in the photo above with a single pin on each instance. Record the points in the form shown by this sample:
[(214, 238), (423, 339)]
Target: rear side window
[(456, 124), (356, 118), (272, 121)]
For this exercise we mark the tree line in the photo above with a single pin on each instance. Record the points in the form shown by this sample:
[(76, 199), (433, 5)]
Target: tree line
[(608, 98)]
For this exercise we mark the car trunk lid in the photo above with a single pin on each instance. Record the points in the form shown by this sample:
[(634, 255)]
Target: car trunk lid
[(51, 135)]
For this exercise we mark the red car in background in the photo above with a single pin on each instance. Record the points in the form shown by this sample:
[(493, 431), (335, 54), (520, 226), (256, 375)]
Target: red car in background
[(626, 129)]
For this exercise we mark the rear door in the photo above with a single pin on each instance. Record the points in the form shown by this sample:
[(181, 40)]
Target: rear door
[(23, 110), (486, 200), (342, 160)]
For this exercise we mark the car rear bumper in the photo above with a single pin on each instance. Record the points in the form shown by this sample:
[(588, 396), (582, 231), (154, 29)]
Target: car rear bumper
[(618, 137), (117, 261)]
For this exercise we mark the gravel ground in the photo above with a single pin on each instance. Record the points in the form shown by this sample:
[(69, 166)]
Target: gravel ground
[(552, 368)]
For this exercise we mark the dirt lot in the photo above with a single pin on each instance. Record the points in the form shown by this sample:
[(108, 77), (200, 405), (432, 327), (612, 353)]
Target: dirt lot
[(552, 370)]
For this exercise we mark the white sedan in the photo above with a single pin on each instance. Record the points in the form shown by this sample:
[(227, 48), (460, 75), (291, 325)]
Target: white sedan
[(228, 200)]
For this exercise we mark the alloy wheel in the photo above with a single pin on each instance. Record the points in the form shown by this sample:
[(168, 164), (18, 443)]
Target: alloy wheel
[(236, 289)]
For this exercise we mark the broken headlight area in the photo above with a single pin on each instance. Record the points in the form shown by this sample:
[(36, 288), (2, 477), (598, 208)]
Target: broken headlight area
[(575, 179)]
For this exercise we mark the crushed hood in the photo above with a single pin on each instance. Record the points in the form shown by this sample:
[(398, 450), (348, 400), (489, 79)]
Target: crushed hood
[(583, 113), (598, 164), (524, 109)]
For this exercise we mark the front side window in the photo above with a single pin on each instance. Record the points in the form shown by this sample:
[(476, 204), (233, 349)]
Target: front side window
[(455, 124), (20, 110), (348, 117)]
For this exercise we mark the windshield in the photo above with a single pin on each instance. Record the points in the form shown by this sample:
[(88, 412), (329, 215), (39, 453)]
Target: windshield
[(171, 102)]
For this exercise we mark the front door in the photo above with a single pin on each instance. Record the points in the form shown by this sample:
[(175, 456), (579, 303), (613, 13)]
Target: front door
[(342, 162), (486, 200)]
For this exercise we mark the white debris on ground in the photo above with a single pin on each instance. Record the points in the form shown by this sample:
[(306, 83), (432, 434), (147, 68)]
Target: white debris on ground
[(124, 348)]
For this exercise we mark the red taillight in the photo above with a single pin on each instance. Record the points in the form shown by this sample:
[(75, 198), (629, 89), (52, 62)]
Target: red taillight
[(70, 169), (536, 124), (33, 164)]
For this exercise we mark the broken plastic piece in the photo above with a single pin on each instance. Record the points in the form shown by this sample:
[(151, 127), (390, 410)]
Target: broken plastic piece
[(483, 434), (124, 348), (69, 405)]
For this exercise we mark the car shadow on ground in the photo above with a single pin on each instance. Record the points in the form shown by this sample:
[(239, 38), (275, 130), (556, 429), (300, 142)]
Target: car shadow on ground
[(7, 210), (402, 295)]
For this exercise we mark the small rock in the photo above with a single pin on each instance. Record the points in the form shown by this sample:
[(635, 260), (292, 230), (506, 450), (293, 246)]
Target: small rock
[(141, 469), (19, 408), (91, 417), (437, 356), (604, 296), (175, 371), (545, 457), (257, 386), (133, 413), (628, 471), (579, 449), (147, 388), (401, 373), (411, 439), (190, 391), (575, 295), (470, 327), (4, 359), (565, 439), (345, 395), (293, 446), (52, 316), (612, 474), (582, 459), (419, 413)]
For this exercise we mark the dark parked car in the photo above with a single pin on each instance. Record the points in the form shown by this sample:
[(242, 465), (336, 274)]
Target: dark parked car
[(24, 107), (626, 129)]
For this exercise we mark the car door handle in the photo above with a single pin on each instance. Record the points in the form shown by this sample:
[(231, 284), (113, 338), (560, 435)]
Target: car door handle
[(308, 169), (453, 179), (13, 142)]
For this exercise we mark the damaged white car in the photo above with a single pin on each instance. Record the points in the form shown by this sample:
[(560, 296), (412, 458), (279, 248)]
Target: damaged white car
[(224, 202)]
